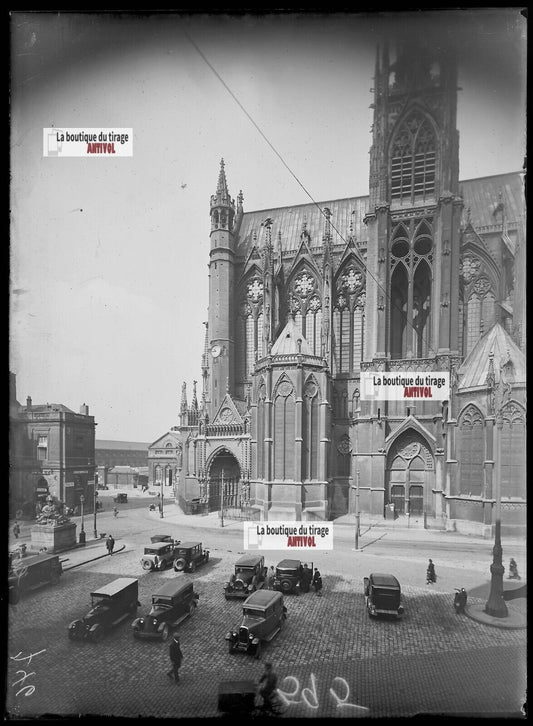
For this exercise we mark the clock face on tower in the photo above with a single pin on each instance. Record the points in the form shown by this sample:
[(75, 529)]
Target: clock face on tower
[(216, 350)]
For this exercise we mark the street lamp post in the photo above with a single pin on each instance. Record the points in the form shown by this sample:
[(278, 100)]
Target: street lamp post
[(222, 499), (162, 497), (95, 493), (357, 513), (495, 605), (82, 530)]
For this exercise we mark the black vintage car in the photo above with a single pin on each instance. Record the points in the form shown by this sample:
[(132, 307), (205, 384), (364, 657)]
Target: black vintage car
[(110, 605), (383, 595), (31, 572), (121, 498), (249, 576), (159, 555), (292, 576), (171, 604), (263, 616), (189, 556)]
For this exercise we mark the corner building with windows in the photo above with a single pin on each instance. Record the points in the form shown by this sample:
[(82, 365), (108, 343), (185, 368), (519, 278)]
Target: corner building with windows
[(425, 274)]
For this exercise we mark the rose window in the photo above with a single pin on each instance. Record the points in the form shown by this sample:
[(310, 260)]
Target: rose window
[(304, 284), (255, 290), (352, 280), (469, 268)]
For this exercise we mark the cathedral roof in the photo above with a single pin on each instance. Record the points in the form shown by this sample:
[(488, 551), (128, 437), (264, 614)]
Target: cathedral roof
[(481, 198), (287, 342), (473, 370)]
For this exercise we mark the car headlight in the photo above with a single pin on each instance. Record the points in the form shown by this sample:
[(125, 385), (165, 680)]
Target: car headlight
[(251, 637), (234, 635), (155, 621), (141, 621)]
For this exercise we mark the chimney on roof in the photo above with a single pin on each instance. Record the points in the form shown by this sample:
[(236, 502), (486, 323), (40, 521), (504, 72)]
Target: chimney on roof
[(84, 409), (28, 402)]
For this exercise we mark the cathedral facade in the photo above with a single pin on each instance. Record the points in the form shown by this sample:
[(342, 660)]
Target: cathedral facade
[(425, 274)]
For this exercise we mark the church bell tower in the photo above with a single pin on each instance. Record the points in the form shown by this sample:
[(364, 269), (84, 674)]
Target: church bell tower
[(415, 205), (221, 302)]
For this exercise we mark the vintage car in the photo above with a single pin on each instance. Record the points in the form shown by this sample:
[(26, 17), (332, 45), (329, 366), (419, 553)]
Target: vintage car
[(189, 556), (159, 555), (171, 604), (291, 577), (249, 576), (263, 617), (163, 538), (121, 498), (31, 572), (110, 605), (383, 595)]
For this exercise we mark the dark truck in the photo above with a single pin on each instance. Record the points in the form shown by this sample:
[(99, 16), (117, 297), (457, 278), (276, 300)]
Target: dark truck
[(383, 595), (31, 572), (249, 576), (263, 617), (292, 576), (171, 604), (110, 605)]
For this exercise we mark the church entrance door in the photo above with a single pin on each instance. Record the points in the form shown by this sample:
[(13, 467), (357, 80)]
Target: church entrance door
[(410, 475)]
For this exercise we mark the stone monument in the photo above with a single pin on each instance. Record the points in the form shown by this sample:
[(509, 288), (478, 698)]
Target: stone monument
[(53, 531)]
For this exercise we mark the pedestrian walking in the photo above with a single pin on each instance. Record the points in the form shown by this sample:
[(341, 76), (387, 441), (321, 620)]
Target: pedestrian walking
[(110, 544), (307, 576), (430, 573), (513, 570), (176, 658), (115, 512), (267, 686), (270, 577), (317, 581), (16, 529)]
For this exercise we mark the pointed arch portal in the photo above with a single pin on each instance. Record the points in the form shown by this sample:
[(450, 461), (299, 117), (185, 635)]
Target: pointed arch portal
[(225, 468), (410, 474)]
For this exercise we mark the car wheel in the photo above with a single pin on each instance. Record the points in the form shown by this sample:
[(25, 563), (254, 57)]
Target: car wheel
[(147, 565), (14, 596), (179, 564), (136, 634), (257, 653), (98, 634), (286, 585), (165, 632), (230, 647)]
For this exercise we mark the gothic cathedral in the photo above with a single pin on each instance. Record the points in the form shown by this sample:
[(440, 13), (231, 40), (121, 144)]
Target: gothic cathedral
[(426, 273)]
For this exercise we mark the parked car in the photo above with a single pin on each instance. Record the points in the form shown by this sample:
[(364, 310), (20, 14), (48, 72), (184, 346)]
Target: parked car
[(163, 538), (31, 572), (171, 604), (110, 605), (289, 576), (189, 556), (263, 617), (159, 555), (121, 498), (249, 576), (383, 595)]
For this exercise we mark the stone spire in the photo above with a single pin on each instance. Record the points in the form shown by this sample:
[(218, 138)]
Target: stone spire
[(183, 406), (194, 402)]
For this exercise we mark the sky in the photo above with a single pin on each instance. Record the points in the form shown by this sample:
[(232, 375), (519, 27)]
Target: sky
[(108, 256)]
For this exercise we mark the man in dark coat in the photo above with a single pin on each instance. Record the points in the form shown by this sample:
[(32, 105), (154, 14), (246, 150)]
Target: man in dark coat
[(307, 576), (317, 581), (431, 576), (110, 543), (176, 657)]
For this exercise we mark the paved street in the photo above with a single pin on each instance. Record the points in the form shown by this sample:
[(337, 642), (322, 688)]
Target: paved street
[(331, 659)]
